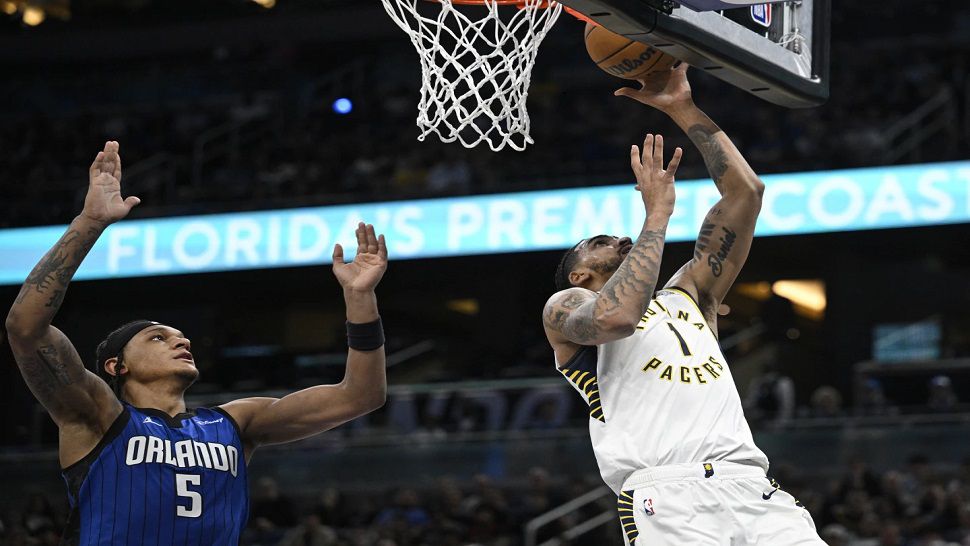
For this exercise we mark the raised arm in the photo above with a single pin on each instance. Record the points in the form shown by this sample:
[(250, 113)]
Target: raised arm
[(364, 387), (81, 404), (728, 229), (583, 317)]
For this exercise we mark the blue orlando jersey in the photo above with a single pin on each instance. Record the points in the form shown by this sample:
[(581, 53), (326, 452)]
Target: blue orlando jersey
[(158, 480)]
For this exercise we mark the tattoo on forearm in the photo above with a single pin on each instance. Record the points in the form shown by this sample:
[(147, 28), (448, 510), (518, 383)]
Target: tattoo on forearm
[(637, 275), (53, 273), (709, 230), (704, 137), (716, 260), (703, 240)]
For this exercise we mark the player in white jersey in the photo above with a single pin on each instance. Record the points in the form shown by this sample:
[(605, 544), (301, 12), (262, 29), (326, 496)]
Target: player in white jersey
[(666, 422)]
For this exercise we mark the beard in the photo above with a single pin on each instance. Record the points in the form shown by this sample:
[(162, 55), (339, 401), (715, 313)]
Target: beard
[(607, 266)]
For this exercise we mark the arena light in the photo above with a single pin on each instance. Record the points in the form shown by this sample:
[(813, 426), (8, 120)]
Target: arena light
[(33, 16), (809, 295), (343, 106), (8, 7), (467, 306), (266, 3)]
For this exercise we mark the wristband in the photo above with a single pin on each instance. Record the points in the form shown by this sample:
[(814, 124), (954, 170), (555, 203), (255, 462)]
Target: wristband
[(365, 337)]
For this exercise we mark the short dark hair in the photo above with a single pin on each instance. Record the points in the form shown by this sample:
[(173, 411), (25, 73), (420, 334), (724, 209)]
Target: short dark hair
[(566, 265)]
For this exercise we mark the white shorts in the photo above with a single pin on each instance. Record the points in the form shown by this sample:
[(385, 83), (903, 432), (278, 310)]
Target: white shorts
[(711, 504)]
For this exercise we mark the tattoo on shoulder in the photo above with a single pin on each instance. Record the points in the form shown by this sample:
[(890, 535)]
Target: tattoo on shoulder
[(557, 313), (703, 136), (564, 317)]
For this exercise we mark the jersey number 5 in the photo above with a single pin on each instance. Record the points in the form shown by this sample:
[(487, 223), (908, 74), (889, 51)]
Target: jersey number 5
[(182, 482)]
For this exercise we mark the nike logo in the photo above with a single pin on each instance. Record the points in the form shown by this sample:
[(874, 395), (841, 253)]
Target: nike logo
[(149, 420), (767, 496)]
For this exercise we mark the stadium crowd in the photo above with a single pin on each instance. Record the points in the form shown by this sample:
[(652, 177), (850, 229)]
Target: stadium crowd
[(918, 504)]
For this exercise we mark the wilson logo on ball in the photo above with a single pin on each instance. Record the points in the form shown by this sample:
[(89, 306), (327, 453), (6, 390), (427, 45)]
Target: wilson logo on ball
[(628, 66), (622, 57)]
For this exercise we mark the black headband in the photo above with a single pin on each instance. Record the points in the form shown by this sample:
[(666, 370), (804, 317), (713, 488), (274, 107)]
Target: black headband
[(111, 347)]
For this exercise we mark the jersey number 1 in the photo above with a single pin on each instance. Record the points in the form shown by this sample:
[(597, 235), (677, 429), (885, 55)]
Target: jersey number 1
[(182, 482), (683, 344)]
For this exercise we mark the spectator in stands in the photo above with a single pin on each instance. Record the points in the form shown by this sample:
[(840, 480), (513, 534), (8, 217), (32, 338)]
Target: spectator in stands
[(39, 518), (331, 507), (859, 478), (271, 512), (405, 515), (771, 396), (826, 403), (309, 533), (835, 534), (872, 399), (942, 398)]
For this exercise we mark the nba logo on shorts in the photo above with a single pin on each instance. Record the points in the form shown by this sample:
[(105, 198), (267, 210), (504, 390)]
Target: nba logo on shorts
[(761, 14), (648, 507)]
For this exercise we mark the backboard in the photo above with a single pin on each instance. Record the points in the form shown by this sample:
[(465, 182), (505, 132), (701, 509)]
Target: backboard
[(778, 52)]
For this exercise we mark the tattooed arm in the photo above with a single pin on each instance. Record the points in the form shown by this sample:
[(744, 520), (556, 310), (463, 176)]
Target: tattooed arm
[(578, 316), (81, 404), (728, 229)]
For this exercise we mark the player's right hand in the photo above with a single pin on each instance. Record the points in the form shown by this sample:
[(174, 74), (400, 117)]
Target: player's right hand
[(369, 264), (666, 90), (103, 203), (654, 182)]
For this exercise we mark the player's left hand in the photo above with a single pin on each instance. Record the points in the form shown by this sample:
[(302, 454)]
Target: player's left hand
[(369, 264), (662, 90)]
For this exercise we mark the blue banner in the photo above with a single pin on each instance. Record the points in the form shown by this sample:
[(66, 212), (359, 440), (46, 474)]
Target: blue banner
[(817, 202)]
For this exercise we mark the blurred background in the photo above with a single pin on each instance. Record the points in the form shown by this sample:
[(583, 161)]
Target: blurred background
[(851, 350)]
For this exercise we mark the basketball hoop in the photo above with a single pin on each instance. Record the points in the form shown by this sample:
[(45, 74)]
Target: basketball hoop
[(475, 66)]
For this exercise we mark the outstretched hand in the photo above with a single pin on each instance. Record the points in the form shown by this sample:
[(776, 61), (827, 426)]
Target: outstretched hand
[(103, 202), (369, 264), (662, 90), (654, 182)]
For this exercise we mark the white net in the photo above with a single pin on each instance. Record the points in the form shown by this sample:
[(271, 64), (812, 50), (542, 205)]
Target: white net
[(475, 66)]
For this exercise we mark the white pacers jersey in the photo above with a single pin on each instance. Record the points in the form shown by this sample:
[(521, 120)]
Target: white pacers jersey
[(662, 396)]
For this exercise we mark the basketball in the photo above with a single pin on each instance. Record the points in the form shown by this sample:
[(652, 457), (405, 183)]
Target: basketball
[(622, 57)]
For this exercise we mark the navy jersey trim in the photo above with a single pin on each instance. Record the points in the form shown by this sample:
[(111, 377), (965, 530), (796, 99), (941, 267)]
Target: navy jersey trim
[(172, 422), (581, 360), (75, 474), (235, 425), (580, 370), (624, 505)]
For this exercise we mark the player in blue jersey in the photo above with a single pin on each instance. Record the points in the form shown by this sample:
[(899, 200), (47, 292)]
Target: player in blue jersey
[(141, 468)]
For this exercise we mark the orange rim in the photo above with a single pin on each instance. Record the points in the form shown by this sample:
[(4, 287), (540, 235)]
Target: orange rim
[(580, 16), (520, 4)]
